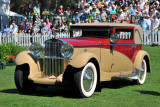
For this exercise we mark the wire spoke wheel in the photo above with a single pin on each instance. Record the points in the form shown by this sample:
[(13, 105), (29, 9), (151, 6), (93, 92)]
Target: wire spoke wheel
[(143, 73), (85, 81), (88, 79)]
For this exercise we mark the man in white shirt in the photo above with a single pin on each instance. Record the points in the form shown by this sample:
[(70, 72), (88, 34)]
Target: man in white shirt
[(155, 24), (13, 28)]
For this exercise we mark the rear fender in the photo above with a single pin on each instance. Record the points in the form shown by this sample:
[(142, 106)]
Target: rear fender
[(139, 57)]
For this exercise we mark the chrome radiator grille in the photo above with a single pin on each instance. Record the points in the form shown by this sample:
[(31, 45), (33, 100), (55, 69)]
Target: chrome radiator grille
[(53, 62), (53, 66), (52, 49)]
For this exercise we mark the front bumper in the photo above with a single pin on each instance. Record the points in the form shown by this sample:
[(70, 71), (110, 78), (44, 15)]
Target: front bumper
[(50, 71)]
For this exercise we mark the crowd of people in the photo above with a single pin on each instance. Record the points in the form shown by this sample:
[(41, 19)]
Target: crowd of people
[(140, 12)]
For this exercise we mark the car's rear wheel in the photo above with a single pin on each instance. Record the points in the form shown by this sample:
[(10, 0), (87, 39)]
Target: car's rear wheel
[(85, 81), (143, 73), (24, 86)]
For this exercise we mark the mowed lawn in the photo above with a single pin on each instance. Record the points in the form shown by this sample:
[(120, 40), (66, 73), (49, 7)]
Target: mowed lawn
[(121, 93)]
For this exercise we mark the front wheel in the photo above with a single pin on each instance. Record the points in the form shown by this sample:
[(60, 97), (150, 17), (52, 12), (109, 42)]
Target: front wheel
[(85, 81), (24, 86), (143, 73)]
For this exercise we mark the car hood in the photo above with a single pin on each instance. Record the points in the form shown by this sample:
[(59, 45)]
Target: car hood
[(83, 41)]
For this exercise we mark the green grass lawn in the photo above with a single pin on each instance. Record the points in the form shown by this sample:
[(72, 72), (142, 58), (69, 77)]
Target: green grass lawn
[(121, 93)]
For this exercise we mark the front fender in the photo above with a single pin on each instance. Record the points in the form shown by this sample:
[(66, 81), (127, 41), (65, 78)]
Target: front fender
[(139, 57), (25, 58), (82, 59)]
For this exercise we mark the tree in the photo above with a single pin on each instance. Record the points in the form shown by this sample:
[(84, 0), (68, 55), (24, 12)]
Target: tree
[(20, 6)]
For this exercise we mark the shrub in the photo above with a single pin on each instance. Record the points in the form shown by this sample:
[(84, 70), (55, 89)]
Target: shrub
[(9, 49)]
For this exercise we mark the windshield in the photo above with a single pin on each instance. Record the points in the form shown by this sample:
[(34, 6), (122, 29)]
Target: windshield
[(91, 32)]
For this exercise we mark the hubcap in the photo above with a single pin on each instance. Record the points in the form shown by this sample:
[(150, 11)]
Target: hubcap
[(142, 71), (88, 79)]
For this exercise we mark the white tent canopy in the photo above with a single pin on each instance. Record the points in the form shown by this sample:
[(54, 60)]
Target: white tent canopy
[(11, 13)]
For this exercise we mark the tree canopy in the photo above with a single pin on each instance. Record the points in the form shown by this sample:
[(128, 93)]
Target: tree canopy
[(20, 6)]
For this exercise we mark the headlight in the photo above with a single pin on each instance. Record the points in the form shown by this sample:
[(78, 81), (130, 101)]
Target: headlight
[(36, 49), (66, 50)]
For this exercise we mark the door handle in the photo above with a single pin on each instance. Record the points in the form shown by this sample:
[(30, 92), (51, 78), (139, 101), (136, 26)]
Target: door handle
[(134, 47)]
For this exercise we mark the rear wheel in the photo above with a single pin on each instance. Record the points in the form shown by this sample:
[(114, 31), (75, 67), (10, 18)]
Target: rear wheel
[(143, 73), (24, 86), (85, 81)]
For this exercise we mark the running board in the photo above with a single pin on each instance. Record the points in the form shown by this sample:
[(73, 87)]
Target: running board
[(135, 75)]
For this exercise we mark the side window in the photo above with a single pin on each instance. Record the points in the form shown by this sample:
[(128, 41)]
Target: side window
[(77, 32), (125, 34)]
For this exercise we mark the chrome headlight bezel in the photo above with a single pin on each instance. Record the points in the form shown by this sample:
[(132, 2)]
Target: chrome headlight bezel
[(36, 49), (66, 50)]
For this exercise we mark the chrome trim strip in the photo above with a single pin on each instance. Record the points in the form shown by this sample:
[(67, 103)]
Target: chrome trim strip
[(55, 57), (106, 45), (135, 75)]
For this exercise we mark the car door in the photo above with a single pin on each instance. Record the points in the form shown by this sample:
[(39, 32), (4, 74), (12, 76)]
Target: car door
[(123, 51)]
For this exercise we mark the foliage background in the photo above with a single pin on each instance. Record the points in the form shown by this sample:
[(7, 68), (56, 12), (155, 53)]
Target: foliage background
[(20, 6)]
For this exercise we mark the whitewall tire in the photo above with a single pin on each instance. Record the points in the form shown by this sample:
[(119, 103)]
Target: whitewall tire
[(85, 81), (143, 73)]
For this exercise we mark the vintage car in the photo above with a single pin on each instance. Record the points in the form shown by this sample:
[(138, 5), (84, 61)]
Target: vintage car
[(94, 53)]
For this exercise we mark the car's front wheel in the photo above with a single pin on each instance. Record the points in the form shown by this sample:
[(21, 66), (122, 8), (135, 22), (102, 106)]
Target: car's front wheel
[(24, 86), (143, 73), (85, 81)]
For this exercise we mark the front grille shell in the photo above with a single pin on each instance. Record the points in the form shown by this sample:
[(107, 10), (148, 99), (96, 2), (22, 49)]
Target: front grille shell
[(53, 62)]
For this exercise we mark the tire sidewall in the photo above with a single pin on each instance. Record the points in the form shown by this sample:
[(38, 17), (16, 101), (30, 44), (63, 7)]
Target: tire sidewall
[(89, 93), (145, 73)]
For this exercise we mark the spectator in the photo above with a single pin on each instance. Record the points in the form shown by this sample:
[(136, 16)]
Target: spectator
[(22, 28), (30, 29), (55, 28), (133, 21), (155, 24), (6, 30), (27, 25), (98, 17), (112, 11), (36, 28), (45, 12), (44, 28), (103, 16), (144, 24), (132, 10), (70, 23), (61, 10), (13, 28), (49, 26), (68, 11), (149, 22), (62, 27)]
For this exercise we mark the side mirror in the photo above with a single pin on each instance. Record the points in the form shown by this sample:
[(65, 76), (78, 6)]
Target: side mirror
[(114, 38)]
